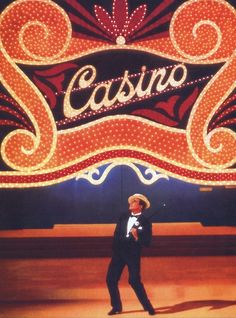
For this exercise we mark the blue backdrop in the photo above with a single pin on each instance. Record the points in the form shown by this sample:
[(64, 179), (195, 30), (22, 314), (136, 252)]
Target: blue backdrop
[(81, 202)]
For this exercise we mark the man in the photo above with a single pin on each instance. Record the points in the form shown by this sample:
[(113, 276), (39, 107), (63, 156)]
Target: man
[(132, 232)]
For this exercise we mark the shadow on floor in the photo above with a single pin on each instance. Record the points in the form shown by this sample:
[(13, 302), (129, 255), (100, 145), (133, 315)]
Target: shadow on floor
[(189, 305), (184, 306)]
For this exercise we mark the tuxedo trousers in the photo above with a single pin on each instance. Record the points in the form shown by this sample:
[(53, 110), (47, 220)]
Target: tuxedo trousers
[(121, 258)]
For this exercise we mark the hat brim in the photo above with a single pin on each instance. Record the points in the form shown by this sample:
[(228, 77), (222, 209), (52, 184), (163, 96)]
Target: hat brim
[(140, 197)]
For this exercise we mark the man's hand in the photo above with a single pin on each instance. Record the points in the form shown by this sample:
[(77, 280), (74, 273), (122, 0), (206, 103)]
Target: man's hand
[(134, 232)]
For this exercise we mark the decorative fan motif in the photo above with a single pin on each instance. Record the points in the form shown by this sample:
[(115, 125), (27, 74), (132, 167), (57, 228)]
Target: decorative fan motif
[(171, 111), (14, 116), (50, 81), (226, 115), (121, 26)]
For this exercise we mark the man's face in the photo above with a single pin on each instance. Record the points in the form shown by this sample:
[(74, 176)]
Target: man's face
[(135, 206)]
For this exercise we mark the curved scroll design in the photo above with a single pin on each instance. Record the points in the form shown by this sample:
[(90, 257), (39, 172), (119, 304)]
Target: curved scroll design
[(216, 149), (204, 30), (41, 32), (90, 175), (34, 36), (199, 32)]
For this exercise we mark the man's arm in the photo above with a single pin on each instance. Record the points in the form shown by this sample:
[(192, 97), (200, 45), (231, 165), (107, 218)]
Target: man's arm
[(142, 231)]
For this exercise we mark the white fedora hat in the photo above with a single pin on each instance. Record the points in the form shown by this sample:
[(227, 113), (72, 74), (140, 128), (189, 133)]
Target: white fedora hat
[(140, 197)]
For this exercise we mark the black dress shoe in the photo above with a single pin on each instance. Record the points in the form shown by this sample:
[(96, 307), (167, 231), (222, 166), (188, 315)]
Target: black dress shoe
[(114, 311), (151, 311)]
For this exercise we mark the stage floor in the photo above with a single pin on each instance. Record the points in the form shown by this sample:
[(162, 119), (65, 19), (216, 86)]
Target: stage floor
[(179, 287)]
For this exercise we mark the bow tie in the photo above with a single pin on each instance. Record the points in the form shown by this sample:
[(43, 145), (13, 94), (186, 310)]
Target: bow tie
[(135, 215)]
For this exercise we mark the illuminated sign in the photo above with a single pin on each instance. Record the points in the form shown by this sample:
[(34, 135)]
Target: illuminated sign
[(86, 86)]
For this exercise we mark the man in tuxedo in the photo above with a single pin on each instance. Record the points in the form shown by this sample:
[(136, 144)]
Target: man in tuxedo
[(132, 231)]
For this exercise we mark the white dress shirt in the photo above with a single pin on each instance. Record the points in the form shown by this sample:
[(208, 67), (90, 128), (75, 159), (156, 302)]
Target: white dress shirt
[(132, 219)]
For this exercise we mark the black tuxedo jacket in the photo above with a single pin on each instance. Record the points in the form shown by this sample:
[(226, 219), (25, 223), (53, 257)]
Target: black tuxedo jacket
[(121, 241)]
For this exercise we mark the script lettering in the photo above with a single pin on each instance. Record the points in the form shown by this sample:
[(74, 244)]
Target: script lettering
[(100, 96)]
